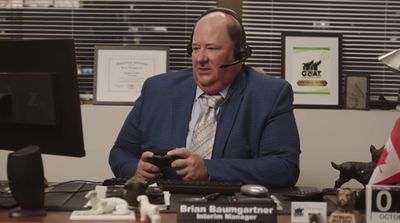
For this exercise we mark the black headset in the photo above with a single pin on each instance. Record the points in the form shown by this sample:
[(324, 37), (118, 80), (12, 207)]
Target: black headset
[(242, 50)]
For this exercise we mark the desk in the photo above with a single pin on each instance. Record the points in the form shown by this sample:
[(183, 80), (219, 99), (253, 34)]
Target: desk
[(61, 217)]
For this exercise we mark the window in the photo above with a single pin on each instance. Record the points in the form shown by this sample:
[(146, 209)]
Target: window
[(370, 28), (100, 22)]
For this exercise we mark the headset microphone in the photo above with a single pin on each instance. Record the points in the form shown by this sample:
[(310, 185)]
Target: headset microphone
[(223, 66)]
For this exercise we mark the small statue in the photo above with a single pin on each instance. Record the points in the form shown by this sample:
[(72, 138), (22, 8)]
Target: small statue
[(111, 205), (360, 171), (346, 199), (148, 210), (384, 104), (134, 187), (111, 208)]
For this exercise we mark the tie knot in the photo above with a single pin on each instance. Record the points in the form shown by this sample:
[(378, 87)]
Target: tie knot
[(213, 101)]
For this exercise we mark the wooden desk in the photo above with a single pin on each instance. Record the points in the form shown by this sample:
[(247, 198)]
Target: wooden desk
[(61, 217)]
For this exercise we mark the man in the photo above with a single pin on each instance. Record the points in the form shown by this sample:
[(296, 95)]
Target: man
[(256, 139)]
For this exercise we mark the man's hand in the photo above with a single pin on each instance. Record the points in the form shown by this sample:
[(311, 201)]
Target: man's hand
[(145, 169), (190, 167)]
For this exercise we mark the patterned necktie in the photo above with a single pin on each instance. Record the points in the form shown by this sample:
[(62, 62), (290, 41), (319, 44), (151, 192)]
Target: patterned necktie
[(205, 128)]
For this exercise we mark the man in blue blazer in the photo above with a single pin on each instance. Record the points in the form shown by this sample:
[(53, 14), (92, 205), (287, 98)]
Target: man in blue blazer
[(256, 138)]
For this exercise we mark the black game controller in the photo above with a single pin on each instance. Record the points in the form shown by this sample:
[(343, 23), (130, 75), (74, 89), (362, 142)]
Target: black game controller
[(161, 159)]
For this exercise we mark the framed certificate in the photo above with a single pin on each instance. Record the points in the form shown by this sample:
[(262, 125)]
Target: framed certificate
[(311, 64), (357, 92), (121, 71)]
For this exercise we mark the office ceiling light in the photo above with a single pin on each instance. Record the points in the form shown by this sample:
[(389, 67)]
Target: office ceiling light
[(392, 60)]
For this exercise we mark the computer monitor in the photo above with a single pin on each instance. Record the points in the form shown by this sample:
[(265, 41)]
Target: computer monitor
[(39, 97)]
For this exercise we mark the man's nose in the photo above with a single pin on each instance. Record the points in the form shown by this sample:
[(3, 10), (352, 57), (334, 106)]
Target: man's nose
[(201, 56)]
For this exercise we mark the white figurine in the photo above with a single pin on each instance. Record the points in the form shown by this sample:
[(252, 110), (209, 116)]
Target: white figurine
[(111, 205), (147, 210)]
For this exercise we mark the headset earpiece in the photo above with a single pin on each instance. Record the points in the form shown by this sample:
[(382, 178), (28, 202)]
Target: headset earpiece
[(247, 51)]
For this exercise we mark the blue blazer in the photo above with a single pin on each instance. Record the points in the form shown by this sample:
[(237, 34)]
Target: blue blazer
[(256, 140)]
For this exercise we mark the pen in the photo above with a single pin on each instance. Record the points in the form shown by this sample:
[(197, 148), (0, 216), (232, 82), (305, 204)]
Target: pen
[(211, 197), (278, 203)]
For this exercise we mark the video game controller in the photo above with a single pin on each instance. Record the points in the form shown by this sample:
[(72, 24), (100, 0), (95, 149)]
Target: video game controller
[(161, 159)]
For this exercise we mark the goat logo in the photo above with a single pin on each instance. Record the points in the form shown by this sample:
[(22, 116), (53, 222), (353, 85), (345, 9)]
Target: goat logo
[(310, 69)]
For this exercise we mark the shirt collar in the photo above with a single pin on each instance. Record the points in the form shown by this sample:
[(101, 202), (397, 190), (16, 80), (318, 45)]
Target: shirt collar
[(223, 92)]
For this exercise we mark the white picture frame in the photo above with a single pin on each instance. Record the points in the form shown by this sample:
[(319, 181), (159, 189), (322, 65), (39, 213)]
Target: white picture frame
[(121, 71), (311, 63)]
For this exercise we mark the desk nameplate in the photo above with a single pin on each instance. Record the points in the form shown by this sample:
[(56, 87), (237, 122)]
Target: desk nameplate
[(193, 212)]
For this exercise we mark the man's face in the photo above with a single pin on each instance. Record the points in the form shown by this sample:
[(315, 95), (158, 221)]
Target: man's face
[(212, 47)]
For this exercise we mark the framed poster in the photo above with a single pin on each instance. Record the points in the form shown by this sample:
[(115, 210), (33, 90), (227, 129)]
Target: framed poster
[(311, 63), (357, 92), (121, 71)]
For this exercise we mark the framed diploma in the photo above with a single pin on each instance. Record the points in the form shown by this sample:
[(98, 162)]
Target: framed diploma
[(311, 63), (357, 92), (121, 71)]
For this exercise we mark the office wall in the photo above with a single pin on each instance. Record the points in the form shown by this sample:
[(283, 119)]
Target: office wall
[(326, 135)]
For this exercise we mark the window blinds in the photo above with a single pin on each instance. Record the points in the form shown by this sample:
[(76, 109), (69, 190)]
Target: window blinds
[(369, 28), (107, 23)]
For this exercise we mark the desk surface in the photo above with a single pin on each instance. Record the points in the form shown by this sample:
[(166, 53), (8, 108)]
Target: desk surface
[(63, 216), (60, 217)]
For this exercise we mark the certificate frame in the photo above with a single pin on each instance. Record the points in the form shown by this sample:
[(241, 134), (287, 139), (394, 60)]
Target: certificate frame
[(356, 92), (120, 72), (311, 63)]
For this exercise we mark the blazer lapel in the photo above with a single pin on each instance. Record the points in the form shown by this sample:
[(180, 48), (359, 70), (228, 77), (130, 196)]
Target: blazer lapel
[(228, 115), (181, 102)]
